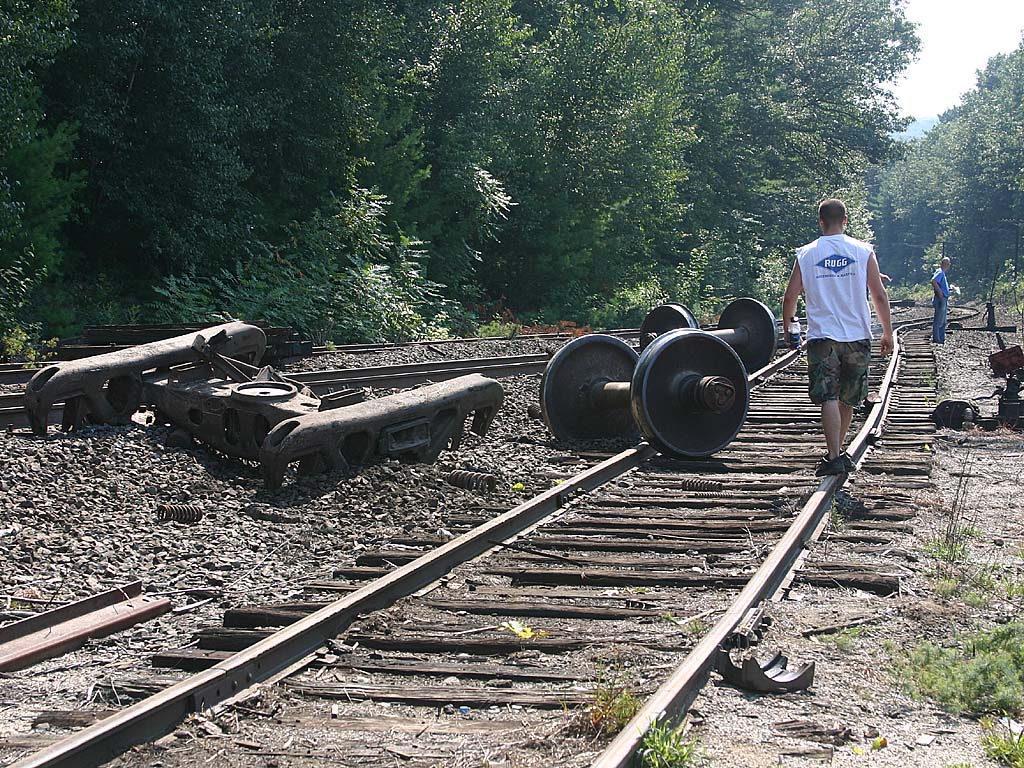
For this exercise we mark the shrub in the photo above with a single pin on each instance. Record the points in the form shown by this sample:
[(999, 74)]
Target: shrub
[(19, 340), (339, 278), (640, 292), (984, 675), (1009, 292), (1005, 748), (665, 746), (614, 703), (15, 285), (21, 346), (499, 328)]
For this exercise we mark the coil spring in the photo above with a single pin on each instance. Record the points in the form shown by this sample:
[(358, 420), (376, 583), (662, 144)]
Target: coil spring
[(179, 513), (473, 481), (700, 486)]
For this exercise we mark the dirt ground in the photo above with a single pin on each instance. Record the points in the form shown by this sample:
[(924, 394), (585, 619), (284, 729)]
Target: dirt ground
[(857, 697)]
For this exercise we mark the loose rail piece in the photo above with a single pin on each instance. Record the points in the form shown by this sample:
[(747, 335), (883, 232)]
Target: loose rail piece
[(64, 629)]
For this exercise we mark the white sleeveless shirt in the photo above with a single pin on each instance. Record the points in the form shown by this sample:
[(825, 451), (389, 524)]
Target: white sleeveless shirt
[(834, 271)]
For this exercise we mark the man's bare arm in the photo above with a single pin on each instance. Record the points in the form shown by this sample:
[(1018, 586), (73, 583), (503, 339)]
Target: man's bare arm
[(793, 291), (880, 299)]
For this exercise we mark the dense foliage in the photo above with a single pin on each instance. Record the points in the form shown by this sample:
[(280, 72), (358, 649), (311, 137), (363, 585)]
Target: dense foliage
[(391, 168), (35, 201), (960, 189)]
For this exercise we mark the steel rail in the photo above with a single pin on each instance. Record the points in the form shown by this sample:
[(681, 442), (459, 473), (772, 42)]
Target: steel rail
[(674, 697), (159, 714), (80, 351), (390, 377), (19, 374), (377, 370), (387, 376), (58, 631), (371, 347), (407, 378)]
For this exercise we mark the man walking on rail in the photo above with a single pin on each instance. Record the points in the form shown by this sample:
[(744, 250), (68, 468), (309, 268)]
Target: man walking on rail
[(836, 273), (940, 301)]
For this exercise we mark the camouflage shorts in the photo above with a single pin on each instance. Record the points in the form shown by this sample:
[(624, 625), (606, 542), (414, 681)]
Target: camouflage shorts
[(838, 370)]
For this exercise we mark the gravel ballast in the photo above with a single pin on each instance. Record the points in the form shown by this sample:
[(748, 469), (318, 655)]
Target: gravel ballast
[(78, 515)]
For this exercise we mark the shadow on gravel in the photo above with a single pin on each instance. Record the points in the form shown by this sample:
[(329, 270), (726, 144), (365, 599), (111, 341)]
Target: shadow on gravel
[(245, 475)]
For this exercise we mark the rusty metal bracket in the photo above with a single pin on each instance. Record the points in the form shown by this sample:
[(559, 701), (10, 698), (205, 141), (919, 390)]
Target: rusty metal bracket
[(1007, 360), (108, 389), (750, 630), (771, 677), (233, 416)]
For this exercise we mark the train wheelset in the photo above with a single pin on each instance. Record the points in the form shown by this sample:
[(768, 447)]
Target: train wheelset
[(686, 392)]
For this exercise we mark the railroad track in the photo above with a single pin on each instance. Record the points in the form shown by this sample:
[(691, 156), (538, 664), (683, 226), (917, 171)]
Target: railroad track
[(526, 607), (355, 349), (324, 382), (20, 373), (13, 374)]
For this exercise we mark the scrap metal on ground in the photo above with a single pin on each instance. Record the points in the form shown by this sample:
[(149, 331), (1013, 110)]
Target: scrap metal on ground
[(204, 383), (1007, 363)]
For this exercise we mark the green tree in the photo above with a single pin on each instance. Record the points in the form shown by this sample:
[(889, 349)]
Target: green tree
[(34, 197), (960, 189), (157, 91), (793, 107), (566, 157)]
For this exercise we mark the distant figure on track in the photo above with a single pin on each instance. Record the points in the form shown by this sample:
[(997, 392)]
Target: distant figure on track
[(835, 273), (940, 301)]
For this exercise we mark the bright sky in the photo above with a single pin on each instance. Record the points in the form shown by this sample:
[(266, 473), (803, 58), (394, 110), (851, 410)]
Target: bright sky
[(958, 37)]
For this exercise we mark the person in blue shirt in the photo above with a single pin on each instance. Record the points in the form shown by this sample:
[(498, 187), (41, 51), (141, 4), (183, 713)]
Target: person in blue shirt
[(940, 301)]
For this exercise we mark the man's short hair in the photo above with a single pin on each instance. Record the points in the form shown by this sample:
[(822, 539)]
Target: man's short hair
[(832, 211)]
